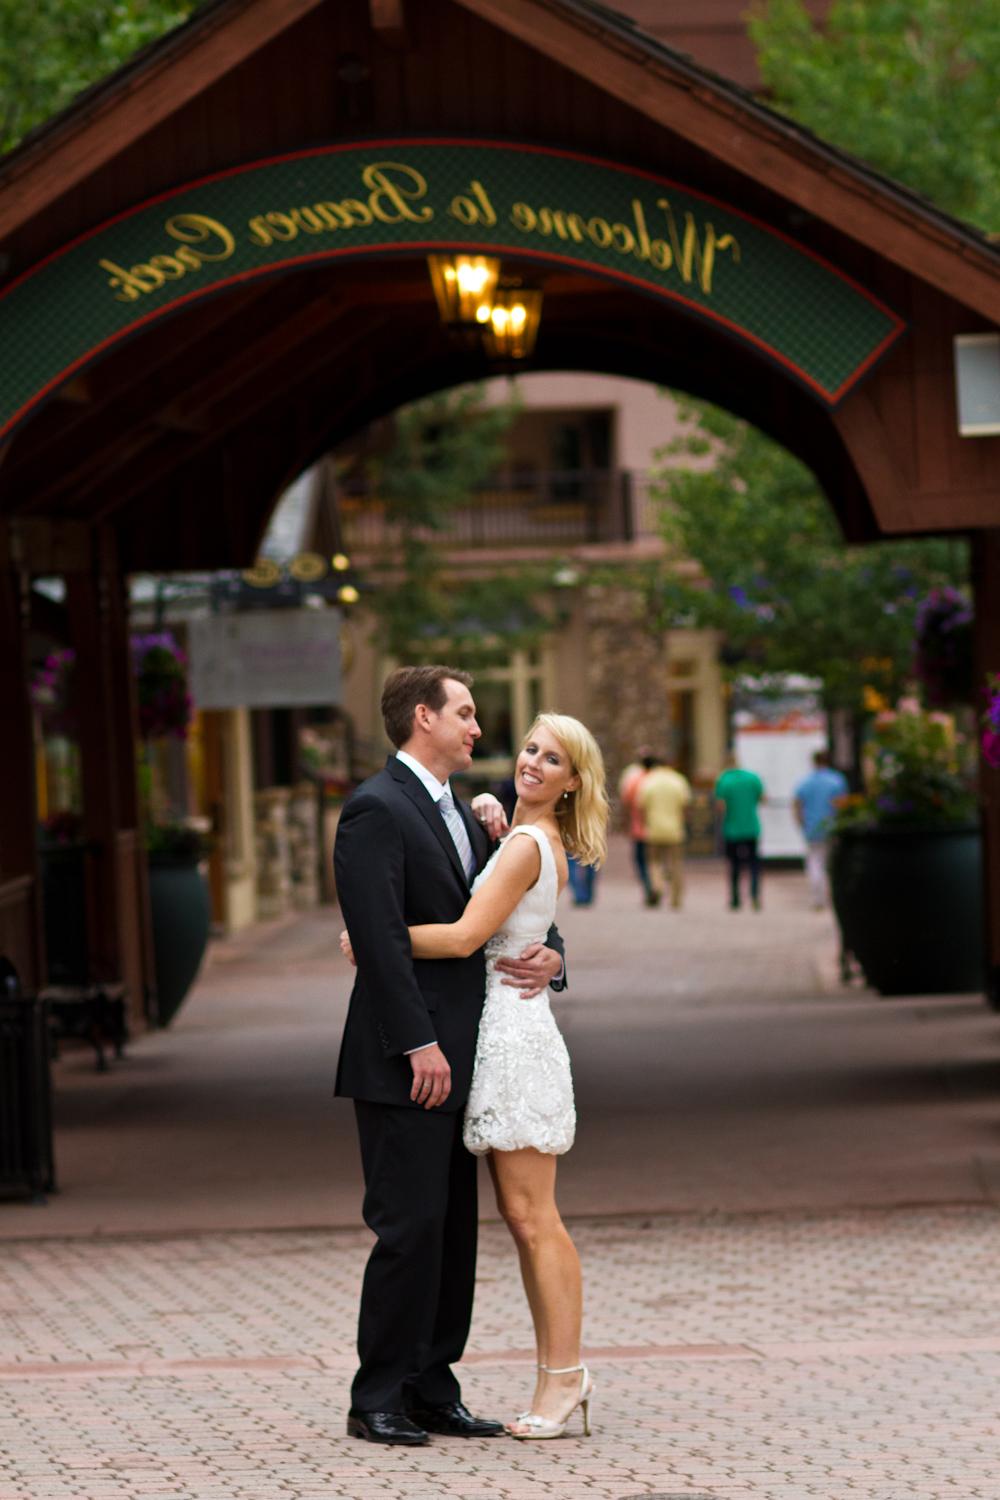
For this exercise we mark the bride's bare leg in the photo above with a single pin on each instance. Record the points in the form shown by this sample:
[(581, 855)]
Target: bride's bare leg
[(550, 1269)]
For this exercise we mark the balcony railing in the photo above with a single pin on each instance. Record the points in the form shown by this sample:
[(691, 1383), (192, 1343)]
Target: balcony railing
[(550, 508)]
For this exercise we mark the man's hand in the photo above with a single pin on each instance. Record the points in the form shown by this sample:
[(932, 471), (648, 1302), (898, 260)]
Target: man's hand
[(532, 971), (431, 1077), (489, 811), (346, 949)]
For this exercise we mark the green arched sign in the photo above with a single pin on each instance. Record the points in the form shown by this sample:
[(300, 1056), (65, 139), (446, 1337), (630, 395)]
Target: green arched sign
[(412, 196)]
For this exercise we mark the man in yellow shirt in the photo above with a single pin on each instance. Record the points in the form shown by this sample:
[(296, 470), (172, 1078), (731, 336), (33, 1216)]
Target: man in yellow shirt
[(664, 796)]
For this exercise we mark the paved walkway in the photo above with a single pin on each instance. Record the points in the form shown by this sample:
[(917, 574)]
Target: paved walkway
[(783, 1192)]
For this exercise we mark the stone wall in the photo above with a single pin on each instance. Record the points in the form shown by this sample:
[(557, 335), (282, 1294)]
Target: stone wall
[(627, 675)]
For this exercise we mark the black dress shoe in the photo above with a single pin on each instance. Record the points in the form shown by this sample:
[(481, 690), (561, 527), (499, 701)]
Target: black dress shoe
[(452, 1419), (384, 1427)]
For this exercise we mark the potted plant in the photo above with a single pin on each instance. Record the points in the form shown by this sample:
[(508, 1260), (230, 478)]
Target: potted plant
[(990, 737), (905, 866), (180, 911), (178, 894), (943, 657)]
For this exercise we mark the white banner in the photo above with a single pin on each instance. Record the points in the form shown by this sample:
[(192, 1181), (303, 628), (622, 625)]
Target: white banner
[(287, 658)]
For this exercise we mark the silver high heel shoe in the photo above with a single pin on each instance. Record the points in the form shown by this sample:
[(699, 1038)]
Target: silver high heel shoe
[(540, 1428)]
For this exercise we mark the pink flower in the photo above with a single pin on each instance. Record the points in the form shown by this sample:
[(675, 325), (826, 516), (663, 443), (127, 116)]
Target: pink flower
[(991, 748)]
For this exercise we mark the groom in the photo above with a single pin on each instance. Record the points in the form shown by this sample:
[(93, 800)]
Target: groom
[(406, 853)]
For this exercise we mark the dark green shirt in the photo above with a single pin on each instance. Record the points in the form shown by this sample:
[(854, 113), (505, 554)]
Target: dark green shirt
[(741, 791)]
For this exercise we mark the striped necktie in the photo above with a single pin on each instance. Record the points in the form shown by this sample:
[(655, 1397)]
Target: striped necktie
[(460, 835)]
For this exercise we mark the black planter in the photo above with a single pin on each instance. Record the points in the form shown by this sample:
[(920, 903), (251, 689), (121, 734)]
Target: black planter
[(64, 911), (910, 907), (179, 901)]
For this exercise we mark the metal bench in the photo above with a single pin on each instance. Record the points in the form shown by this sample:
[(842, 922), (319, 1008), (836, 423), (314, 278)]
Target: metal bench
[(94, 1012)]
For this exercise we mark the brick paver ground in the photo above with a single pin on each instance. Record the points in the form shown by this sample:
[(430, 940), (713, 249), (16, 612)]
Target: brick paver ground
[(783, 1194)]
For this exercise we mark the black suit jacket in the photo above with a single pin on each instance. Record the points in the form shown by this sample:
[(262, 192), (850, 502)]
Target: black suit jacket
[(397, 866)]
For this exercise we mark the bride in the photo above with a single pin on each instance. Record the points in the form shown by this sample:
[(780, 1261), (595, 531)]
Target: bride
[(520, 1110)]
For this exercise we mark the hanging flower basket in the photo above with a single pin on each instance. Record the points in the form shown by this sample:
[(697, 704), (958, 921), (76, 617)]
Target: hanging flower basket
[(990, 737), (943, 660), (52, 693), (161, 670)]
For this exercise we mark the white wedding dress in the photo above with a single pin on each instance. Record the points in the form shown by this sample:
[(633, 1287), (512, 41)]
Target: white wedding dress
[(522, 1089)]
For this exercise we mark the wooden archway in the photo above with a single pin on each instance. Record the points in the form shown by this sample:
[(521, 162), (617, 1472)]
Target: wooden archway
[(162, 442)]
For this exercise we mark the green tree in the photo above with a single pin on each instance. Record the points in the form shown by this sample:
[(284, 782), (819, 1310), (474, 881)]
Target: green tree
[(50, 50), (772, 572), (443, 450), (912, 86)]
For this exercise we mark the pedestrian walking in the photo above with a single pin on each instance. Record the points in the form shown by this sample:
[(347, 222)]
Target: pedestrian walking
[(629, 783), (582, 882), (815, 803), (738, 794), (664, 797)]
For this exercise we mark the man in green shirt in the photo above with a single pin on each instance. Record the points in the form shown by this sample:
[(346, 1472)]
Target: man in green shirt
[(738, 794)]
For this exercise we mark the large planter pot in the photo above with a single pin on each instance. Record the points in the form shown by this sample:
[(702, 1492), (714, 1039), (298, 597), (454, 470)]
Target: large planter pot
[(910, 907), (181, 913), (64, 911)]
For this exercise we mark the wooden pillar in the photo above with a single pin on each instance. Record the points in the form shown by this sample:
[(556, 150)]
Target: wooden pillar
[(986, 584), (20, 897), (118, 895)]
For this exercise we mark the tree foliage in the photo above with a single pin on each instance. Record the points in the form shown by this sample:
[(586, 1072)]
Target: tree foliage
[(443, 449), (50, 50), (912, 86), (773, 574)]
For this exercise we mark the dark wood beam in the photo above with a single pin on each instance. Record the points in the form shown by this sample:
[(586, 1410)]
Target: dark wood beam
[(20, 898), (144, 471), (118, 936), (134, 422), (388, 21), (142, 99), (765, 149), (132, 380), (986, 650), (251, 360)]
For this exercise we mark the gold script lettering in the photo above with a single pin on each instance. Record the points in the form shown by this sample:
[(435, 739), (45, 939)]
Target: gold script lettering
[(132, 283), (482, 197), (390, 185), (169, 265), (214, 242), (693, 255), (308, 220), (473, 210), (283, 226), (199, 229), (655, 251)]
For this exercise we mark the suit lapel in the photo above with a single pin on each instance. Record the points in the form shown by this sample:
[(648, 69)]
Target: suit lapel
[(428, 809)]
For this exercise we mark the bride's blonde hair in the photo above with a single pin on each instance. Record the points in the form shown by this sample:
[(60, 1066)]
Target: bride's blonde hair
[(582, 814)]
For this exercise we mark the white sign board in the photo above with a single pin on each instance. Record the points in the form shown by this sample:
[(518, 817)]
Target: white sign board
[(781, 758), (282, 658)]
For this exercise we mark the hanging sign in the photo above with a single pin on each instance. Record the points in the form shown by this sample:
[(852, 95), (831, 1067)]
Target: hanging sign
[(411, 196), (266, 659)]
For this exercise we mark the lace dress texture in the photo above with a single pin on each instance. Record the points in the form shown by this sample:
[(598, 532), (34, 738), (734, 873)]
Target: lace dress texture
[(522, 1088)]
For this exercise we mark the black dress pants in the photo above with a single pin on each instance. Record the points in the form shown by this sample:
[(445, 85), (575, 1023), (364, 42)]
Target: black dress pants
[(416, 1299), (743, 853)]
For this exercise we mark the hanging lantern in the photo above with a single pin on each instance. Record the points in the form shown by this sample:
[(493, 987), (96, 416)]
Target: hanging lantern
[(462, 284), (510, 323)]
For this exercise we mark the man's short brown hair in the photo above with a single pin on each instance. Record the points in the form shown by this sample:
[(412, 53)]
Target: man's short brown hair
[(408, 686)]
